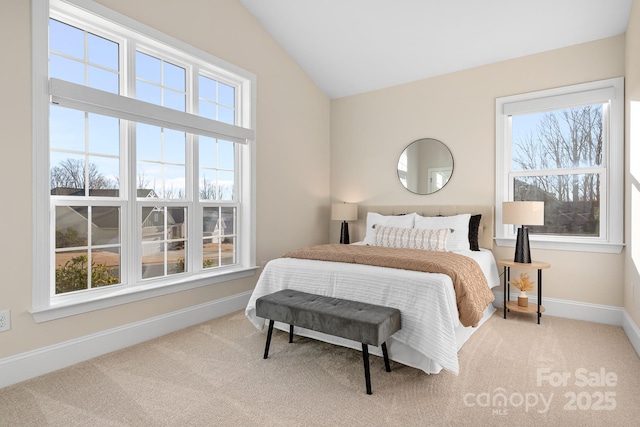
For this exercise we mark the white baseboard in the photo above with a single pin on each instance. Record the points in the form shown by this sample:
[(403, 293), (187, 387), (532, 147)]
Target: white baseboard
[(597, 313), (20, 367), (632, 331)]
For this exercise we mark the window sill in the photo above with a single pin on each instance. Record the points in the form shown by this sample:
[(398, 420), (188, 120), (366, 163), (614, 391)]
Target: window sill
[(124, 295), (602, 247)]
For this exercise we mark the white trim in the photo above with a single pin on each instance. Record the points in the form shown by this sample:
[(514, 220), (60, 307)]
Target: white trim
[(40, 162), (45, 307), (632, 331), (612, 238), (85, 98), (549, 100), (597, 313), (134, 28), (21, 367), (105, 298), (534, 243)]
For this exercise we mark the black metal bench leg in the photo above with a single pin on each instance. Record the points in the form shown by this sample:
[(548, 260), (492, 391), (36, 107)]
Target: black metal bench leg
[(387, 366), (367, 374), (266, 347), (290, 333)]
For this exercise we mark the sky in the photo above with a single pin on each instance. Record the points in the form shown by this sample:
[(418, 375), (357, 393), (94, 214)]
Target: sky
[(84, 58)]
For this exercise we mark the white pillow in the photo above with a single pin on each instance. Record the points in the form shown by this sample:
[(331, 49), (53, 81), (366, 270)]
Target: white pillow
[(458, 240), (412, 238), (403, 221)]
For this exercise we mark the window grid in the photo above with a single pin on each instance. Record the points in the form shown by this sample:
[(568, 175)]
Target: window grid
[(48, 90), (217, 100), (165, 91), (584, 186), (164, 241), (164, 163), (219, 236), (85, 157), (86, 64), (556, 162), (214, 176), (156, 148)]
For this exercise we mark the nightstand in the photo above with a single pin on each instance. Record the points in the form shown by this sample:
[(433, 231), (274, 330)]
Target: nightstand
[(506, 280)]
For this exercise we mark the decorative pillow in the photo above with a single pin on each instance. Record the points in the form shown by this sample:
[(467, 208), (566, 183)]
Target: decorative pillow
[(404, 221), (412, 238), (474, 229), (458, 240)]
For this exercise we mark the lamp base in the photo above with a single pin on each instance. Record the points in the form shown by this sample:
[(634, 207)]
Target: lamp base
[(344, 233), (523, 252)]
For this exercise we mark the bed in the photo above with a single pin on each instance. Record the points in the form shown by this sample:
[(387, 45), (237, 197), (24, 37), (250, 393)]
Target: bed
[(432, 333)]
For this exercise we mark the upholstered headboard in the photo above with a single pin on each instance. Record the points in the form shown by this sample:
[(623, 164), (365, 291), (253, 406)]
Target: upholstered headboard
[(485, 232)]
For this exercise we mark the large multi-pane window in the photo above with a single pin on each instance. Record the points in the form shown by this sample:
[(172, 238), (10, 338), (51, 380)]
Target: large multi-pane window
[(564, 147), (148, 154)]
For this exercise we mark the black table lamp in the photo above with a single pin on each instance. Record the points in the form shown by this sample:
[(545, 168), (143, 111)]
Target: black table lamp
[(523, 213), (344, 212)]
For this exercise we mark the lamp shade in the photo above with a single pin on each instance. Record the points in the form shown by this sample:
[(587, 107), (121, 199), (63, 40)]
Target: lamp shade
[(523, 213), (344, 211)]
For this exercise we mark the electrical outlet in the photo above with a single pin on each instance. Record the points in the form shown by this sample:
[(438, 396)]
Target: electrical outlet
[(5, 320)]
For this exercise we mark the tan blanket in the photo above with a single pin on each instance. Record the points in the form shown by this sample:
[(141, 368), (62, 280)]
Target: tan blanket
[(470, 284)]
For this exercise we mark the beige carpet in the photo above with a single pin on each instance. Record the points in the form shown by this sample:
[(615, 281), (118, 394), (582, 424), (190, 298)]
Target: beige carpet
[(213, 374)]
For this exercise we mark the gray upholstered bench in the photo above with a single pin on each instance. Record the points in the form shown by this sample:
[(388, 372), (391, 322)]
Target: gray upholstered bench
[(365, 323)]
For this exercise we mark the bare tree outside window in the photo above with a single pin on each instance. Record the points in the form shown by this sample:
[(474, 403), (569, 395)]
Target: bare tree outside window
[(557, 157), (214, 190), (72, 174)]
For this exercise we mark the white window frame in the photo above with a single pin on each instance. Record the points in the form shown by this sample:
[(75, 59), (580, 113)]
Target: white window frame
[(47, 307), (609, 92)]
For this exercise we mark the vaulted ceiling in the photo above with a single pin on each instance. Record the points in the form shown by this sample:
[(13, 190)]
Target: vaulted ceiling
[(354, 46)]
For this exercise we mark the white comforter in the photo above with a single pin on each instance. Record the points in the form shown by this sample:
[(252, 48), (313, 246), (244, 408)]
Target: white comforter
[(426, 300)]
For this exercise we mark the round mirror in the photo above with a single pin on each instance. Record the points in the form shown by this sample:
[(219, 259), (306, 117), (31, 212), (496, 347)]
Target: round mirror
[(425, 166)]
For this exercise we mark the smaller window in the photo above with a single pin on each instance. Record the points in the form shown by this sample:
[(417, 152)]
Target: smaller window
[(564, 147)]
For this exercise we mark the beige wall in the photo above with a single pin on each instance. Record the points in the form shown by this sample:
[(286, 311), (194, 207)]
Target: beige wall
[(298, 166), (632, 182), (292, 157), (369, 131)]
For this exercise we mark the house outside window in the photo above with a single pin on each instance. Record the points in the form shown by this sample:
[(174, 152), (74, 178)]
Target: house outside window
[(564, 147), (144, 154)]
